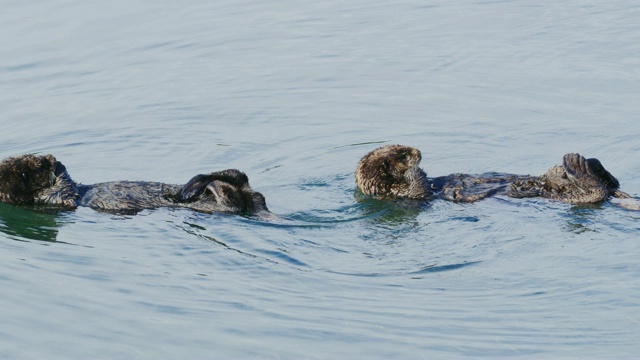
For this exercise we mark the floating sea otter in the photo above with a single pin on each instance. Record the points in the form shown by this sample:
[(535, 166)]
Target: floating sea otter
[(392, 171), (41, 180)]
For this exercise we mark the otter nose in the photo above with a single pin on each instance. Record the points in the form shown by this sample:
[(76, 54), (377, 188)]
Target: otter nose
[(416, 157)]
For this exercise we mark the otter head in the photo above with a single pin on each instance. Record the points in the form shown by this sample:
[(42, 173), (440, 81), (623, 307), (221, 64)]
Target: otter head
[(392, 170), (36, 180), (231, 198), (222, 191)]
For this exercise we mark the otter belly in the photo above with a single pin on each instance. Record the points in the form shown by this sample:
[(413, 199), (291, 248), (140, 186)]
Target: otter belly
[(126, 196), (470, 188)]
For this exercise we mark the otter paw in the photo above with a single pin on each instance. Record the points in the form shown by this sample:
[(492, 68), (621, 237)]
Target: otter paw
[(575, 165)]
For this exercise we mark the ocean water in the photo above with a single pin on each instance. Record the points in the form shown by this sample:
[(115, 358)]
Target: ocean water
[(294, 93)]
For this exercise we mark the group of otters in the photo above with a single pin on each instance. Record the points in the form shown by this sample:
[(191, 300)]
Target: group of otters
[(388, 172)]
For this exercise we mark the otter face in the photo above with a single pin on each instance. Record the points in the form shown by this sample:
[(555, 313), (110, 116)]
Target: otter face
[(392, 170), (225, 195), (220, 196), (36, 179), (21, 178), (222, 191)]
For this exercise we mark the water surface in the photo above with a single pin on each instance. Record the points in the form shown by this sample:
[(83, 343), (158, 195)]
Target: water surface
[(294, 93)]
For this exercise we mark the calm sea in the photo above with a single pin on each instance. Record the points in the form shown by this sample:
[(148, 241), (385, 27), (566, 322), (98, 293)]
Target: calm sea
[(294, 93)]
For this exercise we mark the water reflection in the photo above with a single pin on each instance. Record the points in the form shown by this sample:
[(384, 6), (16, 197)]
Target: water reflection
[(580, 218), (397, 211), (28, 224)]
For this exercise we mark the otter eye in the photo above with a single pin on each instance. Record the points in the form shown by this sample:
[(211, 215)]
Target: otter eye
[(402, 156)]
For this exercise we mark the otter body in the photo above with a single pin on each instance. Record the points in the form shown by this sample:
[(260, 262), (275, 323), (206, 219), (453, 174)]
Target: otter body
[(41, 180), (127, 196), (470, 188), (392, 171)]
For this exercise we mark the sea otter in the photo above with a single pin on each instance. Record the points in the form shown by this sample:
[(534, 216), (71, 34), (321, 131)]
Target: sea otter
[(42, 181), (392, 171)]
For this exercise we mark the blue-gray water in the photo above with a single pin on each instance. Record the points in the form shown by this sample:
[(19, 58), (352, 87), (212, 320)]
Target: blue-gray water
[(294, 93)]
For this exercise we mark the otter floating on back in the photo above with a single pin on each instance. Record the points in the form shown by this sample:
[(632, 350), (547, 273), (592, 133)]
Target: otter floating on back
[(41, 180), (393, 171)]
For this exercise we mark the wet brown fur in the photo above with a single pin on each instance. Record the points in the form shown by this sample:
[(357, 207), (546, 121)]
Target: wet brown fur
[(42, 180), (392, 171)]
